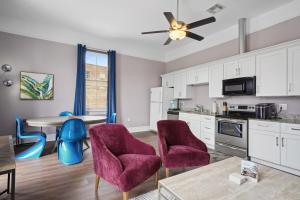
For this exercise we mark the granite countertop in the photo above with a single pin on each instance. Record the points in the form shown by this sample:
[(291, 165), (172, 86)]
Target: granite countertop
[(281, 120), (199, 113)]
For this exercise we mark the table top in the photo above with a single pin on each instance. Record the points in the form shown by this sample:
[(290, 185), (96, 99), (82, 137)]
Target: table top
[(7, 154), (58, 121), (212, 182)]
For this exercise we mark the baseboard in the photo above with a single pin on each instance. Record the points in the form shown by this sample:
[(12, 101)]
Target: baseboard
[(138, 129)]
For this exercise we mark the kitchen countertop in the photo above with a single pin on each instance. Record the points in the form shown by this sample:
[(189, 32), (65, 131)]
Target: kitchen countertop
[(283, 120), (199, 113)]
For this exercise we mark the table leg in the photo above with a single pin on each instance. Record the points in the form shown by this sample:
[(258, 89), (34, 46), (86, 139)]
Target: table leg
[(8, 182), (13, 184)]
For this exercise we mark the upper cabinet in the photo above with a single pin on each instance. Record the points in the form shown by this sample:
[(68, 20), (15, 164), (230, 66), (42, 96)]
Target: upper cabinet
[(243, 67), (197, 76), (168, 81), (215, 80), (294, 71), (271, 73), (181, 90)]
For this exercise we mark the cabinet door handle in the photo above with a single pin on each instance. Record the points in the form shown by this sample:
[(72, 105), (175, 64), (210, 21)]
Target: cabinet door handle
[(207, 128), (295, 129), (277, 142), (207, 138), (282, 142)]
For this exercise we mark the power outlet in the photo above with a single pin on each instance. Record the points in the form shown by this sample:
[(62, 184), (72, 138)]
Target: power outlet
[(283, 107)]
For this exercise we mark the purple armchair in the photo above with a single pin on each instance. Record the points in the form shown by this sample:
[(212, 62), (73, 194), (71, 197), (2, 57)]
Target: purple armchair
[(178, 147), (121, 159)]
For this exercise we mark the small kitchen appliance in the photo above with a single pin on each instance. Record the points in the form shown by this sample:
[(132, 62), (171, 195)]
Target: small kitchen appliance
[(239, 86), (266, 111)]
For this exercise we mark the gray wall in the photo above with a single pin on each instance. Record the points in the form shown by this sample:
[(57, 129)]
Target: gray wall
[(283, 32), (135, 77)]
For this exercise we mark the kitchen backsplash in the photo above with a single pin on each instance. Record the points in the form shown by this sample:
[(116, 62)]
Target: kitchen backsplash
[(201, 96)]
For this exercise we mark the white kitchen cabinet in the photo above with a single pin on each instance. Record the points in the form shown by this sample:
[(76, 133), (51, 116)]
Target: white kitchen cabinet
[(168, 81), (264, 145), (247, 67), (294, 71), (244, 67), (290, 148), (231, 70), (197, 76), (215, 81), (193, 122), (202, 126), (271, 73), (275, 144), (181, 89), (290, 145)]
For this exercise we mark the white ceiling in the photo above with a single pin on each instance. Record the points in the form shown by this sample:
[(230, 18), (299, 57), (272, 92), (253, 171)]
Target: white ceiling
[(124, 20)]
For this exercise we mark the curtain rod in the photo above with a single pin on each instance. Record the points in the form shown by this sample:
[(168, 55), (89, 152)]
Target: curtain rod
[(97, 50)]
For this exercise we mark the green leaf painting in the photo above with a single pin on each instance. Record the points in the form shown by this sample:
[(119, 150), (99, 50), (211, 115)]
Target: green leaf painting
[(36, 86)]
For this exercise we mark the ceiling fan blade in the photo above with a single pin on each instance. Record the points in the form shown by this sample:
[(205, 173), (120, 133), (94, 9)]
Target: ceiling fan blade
[(150, 32), (201, 22), (194, 36), (169, 40), (171, 19)]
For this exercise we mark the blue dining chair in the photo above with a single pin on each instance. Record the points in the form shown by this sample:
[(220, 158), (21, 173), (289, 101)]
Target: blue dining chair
[(35, 150), (63, 114), (70, 141)]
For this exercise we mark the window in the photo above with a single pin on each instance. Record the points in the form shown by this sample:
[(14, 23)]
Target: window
[(96, 77)]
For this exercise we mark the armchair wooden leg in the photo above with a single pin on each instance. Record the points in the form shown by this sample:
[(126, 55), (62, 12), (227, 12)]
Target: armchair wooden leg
[(167, 172), (86, 143), (125, 195), (156, 179), (97, 183)]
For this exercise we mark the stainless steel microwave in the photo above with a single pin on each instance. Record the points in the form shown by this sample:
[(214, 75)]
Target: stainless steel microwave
[(239, 86)]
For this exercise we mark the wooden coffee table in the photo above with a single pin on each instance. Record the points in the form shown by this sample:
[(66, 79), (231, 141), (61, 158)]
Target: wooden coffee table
[(211, 182)]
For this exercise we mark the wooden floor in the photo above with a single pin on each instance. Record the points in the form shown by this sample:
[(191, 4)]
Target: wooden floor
[(46, 178)]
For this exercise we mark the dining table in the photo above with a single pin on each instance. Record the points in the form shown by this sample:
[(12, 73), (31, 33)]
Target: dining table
[(58, 121)]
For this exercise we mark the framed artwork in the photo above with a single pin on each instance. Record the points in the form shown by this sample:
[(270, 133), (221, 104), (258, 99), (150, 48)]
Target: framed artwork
[(36, 86)]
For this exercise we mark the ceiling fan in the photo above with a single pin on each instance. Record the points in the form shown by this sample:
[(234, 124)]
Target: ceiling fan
[(179, 29)]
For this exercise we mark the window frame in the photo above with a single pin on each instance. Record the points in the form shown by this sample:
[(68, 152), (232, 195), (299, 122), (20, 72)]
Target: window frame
[(91, 113)]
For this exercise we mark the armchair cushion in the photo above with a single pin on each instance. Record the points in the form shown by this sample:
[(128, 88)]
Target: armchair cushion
[(185, 156), (137, 168)]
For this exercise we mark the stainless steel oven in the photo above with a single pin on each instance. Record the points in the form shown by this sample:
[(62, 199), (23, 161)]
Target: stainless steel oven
[(232, 136)]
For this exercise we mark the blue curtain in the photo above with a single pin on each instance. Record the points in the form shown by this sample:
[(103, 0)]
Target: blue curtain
[(79, 105), (111, 92)]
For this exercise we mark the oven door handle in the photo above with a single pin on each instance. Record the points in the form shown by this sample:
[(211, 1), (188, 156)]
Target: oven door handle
[(220, 120), (231, 147)]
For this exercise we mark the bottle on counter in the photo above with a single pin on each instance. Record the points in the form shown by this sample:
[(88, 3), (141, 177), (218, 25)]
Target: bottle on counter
[(225, 108)]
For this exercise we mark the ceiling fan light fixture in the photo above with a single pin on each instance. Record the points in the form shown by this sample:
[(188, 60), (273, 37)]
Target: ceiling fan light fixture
[(177, 34)]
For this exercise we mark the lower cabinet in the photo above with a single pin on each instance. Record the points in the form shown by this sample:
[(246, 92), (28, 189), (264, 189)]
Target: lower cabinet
[(276, 143), (202, 126), (264, 145)]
